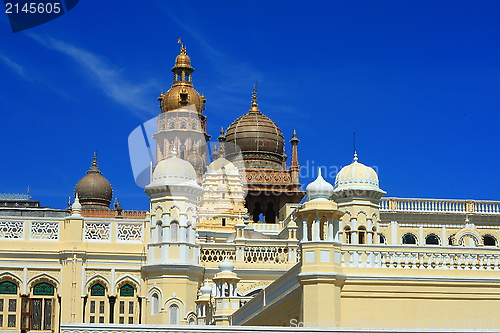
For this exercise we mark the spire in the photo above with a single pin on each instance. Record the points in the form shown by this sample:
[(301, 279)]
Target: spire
[(294, 163), (355, 159), (254, 107), (94, 168)]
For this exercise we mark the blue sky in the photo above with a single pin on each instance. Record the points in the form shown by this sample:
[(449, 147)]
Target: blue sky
[(418, 81)]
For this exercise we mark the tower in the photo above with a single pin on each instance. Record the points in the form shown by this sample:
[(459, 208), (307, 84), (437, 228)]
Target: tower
[(261, 145), (181, 123), (357, 192), (172, 272)]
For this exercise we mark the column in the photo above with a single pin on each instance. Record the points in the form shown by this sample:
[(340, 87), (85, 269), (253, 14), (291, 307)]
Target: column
[(304, 231)]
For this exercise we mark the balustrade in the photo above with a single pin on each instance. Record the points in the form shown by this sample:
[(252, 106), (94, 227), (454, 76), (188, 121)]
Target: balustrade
[(440, 205)]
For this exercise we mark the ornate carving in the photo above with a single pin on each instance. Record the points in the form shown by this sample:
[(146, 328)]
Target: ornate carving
[(44, 230), (11, 229), (130, 232), (97, 231)]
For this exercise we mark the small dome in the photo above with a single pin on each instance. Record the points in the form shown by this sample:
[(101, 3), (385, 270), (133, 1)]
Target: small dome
[(222, 163), (93, 190), (259, 138), (319, 189), (356, 175), (173, 171), (206, 290), (197, 161), (226, 266)]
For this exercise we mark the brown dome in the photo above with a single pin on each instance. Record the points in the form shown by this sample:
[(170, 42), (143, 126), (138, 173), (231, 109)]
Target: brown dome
[(259, 138), (94, 191)]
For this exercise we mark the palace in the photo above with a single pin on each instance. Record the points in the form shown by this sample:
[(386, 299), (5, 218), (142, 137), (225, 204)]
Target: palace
[(230, 239)]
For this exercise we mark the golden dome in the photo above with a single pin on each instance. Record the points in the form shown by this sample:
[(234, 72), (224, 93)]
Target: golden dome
[(259, 138), (182, 92), (93, 190)]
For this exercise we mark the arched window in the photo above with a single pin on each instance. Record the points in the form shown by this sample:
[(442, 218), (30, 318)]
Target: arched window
[(174, 231), (381, 239), (97, 308), (42, 306), (9, 303), (347, 235), (155, 304), (188, 232), (489, 240), (450, 239), (126, 305), (191, 321), (159, 232), (361, 235), (431, 240), (409, 239), (173, 314)]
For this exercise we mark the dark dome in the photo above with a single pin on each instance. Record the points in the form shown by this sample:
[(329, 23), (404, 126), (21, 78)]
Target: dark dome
[(259, 138), (94, 191)]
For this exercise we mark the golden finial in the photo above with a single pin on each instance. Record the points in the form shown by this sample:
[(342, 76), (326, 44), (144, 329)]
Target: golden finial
[(254, 107), (94, 162)]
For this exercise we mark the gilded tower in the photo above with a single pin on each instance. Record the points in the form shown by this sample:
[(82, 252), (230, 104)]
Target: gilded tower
[(181, 123), (269, 183)]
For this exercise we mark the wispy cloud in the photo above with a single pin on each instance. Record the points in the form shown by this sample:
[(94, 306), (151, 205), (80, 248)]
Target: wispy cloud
[(15, 67), (110, 79)]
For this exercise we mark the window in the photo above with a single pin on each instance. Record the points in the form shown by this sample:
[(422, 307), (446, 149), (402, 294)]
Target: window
[(409, 239), (97, 308), (347, 235), (223, 222), (489, 240), (431, 240), (159, 232), (42, 307), (361, 235), (155, 304), (126, 305), (174, 314), (9, 300), (381, 239), (174, 231)]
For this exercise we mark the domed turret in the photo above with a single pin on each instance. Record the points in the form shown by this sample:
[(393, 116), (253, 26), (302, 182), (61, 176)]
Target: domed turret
[(93, 190), (357, 179), (259, 138), (319, 189), (182, 92)]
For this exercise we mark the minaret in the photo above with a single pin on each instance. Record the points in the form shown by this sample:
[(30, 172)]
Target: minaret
[(294, 164), (182, 124)]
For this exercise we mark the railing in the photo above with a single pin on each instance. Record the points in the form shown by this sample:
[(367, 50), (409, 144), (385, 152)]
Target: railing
[(412, 257), (440, 206), (252, 252), (273, 228)]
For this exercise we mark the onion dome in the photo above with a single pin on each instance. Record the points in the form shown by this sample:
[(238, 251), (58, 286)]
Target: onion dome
[(182, 92), (94, 191), (358, 179), (206, 290), (319, 189), (226, 266), (259, 138)]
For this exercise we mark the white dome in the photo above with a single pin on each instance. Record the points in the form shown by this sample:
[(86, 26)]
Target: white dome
[(173, 171), (206, 290), (319, 189), (222, 163), (226, 266), (356, 176)]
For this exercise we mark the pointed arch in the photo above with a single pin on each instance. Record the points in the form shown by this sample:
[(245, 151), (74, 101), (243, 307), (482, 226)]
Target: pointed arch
[(98, 278), (44, 277), (8, 276)]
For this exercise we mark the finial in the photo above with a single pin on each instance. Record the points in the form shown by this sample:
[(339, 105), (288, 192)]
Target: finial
[(254, 107), (294, 139), (319, 173), (174, 152), (76, 207), (183, 48), (94, 161), (355, 156)]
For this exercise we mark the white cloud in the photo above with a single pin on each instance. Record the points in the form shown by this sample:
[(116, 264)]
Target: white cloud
[(14, 66), (108, 78)]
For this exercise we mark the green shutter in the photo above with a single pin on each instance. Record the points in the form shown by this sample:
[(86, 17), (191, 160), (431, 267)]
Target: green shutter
[(127, 291), (43, 289), (8, 287), (97, 290)]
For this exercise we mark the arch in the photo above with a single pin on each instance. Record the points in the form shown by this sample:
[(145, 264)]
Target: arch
[(97, 279), (409, 238), (44, 278), (173, 314), (127, 279), (451, 239), (489, 240), (382, 239), (155, 303), (432, 239), (362, 234), (467, 232), (347, 235), (159, 231), (7, 276), (191, 318), (174, 231)]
